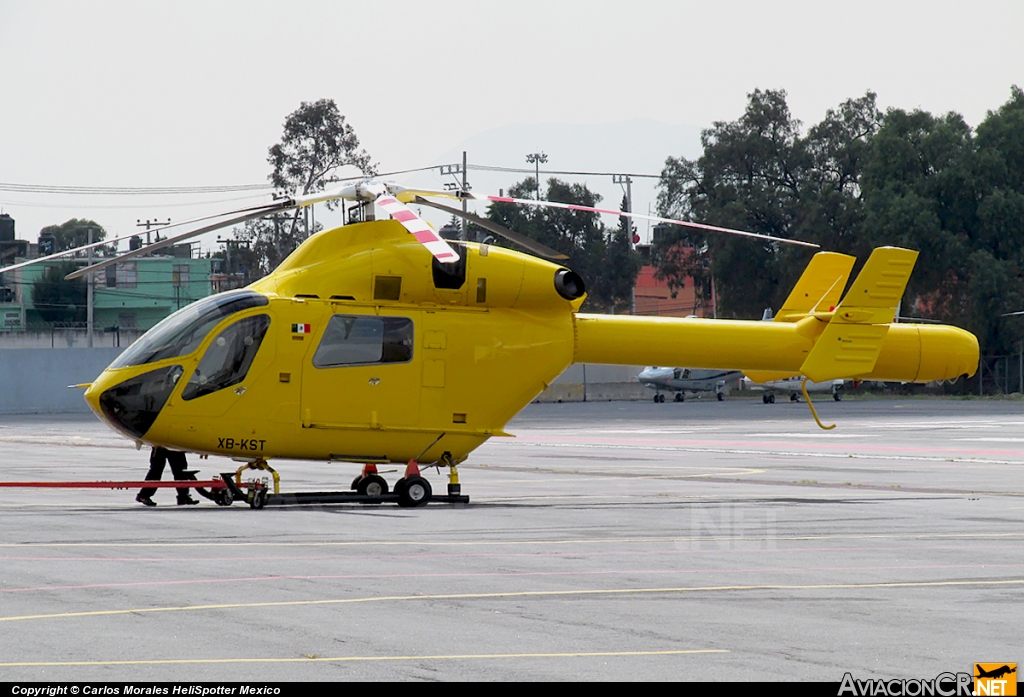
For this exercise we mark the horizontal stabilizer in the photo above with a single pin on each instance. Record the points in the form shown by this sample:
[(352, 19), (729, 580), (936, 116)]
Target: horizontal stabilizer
[(819, 288), (851, 342)]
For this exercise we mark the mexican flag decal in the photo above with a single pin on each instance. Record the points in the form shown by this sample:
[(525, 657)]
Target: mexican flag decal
[(300, 329)]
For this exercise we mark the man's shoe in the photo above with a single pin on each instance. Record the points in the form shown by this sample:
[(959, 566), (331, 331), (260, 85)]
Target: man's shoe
[(187, 501), (145, 500)]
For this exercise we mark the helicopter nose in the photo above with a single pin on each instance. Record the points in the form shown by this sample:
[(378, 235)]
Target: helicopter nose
[(131, 406)]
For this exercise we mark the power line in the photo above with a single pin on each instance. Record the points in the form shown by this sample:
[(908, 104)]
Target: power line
[(233, 188), (167, 190), (130, 206), (130, 190), (490, 168)]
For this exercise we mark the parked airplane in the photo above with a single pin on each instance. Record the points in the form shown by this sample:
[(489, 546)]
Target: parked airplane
[(692, 380), (793, 387)]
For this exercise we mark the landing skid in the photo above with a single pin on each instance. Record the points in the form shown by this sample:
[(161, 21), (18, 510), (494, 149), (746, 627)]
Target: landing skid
[(260, 500), (411, 491)]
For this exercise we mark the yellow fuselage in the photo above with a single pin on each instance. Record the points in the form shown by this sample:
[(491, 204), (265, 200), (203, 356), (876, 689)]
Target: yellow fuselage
[(476, 355)]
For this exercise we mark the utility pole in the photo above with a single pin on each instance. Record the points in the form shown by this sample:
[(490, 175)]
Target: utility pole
[(151, 224), (626, 181), (464, 186), (535, 158), (89, 283)]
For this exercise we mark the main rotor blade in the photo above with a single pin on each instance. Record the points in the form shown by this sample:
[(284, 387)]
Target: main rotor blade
[(67, 252), (418, 227), (406, 195), (362, 190), (657, 219), (273, 208), (500, 230)]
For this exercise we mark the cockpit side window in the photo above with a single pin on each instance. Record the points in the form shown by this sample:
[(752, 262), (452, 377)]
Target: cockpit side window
[(228, 357), (181, 333), (360, 340)]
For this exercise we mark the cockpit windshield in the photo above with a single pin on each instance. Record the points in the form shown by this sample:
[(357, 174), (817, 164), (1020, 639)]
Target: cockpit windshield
[(181, 333)]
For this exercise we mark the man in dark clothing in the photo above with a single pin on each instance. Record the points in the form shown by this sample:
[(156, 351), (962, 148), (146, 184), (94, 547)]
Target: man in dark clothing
[(157, 459)]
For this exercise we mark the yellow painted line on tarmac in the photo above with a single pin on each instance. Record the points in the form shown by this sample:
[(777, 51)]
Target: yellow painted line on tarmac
[(523, 594), (357, 659), (603, 542)]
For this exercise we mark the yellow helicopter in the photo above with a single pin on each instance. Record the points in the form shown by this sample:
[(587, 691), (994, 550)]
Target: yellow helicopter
[(372, 345)]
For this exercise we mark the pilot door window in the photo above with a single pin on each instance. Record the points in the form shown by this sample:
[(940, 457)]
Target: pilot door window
[(228, 357), (360, 340)]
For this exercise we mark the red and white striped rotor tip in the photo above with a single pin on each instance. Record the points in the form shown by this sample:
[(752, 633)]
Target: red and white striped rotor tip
[(640, 216), (419, 229)]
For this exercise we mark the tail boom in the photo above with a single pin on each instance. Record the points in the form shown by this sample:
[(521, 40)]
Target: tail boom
[(909, 353)]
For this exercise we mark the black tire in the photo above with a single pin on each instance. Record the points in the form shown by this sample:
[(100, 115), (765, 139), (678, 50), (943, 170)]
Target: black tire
[(355, 483), (224, 497), (771, 399), (764, 398), (372, 485), (721, 397), (656, 398), (794, 397), (836, 396), (259, 500), (680, 397), (414, 492)]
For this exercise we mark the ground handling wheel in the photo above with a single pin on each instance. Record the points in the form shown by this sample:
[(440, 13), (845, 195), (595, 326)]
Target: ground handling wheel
[(223, 497), (720, 396), (413, 491), (371, 485), (259, 498)]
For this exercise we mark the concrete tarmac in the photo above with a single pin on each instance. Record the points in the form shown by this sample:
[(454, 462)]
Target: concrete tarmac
[(607, 541)]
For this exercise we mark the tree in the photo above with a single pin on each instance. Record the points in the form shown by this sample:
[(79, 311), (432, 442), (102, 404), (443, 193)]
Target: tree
[(74, 233), (759, 173), (856, 181), (603, 258), (57, 300), (316, 142), (932, 184)]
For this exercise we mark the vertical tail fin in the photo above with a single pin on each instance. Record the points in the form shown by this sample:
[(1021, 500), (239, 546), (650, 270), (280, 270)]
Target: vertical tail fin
[(850, 344), (819, 288)]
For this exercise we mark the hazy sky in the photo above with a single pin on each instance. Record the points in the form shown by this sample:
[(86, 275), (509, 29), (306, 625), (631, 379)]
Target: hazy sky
[(193, 93)]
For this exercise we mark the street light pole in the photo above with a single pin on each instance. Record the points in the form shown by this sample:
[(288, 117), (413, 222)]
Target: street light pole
[(535, 158)]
